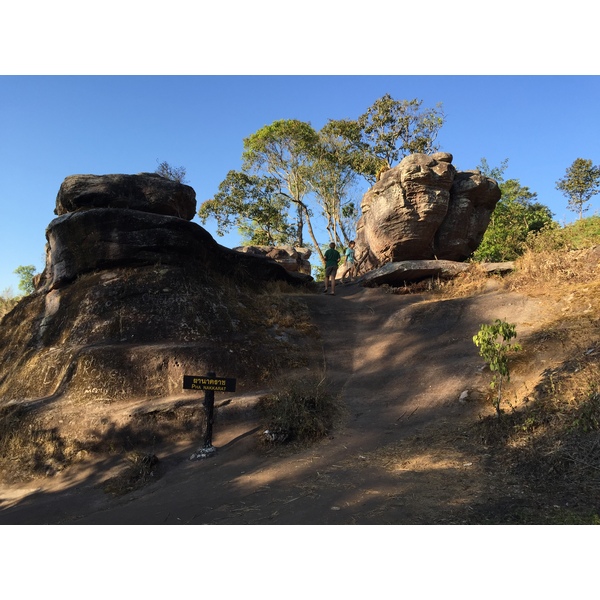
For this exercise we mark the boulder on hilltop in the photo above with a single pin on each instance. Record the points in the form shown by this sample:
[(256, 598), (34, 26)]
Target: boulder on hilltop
[(134, 295), (424, 209)]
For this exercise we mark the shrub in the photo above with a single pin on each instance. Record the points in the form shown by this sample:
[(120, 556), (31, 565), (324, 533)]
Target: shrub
[(301, 411), (492, 341)]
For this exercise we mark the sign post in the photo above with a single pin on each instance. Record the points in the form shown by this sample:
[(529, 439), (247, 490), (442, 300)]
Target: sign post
[(210, 383)]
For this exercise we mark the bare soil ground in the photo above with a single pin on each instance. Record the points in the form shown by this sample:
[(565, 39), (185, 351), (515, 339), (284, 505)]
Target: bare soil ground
[(412, 384)]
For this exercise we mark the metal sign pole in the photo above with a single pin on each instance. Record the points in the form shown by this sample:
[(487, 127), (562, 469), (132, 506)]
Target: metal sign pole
[(210, 383), (209, 411)]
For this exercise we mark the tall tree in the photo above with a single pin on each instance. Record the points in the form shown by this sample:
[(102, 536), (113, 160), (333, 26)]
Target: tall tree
[(580, 183), (254, 205), (332, 180), (284, 150), (388, 131)]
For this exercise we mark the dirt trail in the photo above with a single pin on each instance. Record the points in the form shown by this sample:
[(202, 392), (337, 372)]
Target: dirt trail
[(400, 362)]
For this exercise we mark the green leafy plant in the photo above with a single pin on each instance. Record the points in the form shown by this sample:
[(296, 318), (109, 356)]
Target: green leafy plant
[(26, 273), (493, 343)]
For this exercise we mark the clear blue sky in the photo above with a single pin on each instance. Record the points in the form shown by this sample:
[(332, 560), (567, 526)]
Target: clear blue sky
[(84, 90), (55, 126)]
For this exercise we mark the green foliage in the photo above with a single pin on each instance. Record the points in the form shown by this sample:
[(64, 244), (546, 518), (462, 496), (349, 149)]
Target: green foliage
[(255, 205), (494, 347), (302, 174), (388, 131), (25, 274), (583, 233), (332, 179), (580, 183), (173, 173), (516, 216), (283, 150), (496, 173)]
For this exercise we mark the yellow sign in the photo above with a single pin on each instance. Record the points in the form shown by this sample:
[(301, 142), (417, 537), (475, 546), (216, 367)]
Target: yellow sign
[(211, 384)]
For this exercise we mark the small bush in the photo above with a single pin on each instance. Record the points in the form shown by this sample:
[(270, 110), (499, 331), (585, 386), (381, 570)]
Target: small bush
[(301, 411), (493, 343), (142, 469)]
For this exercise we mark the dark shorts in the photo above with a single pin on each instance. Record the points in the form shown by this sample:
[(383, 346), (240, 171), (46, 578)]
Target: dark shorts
[(329, 271)]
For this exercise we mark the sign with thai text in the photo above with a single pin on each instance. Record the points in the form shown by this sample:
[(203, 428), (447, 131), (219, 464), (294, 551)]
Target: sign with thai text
[(208, 383)]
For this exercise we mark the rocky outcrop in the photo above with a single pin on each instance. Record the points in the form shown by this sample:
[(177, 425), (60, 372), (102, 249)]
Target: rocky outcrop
[(292, 259), (398, 273), (134, 295), (424, 209), (111, 221), (148, 192)]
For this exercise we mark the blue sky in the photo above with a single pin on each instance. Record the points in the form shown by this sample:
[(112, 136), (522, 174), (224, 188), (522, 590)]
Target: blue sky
[(118, 90), (55, 126)]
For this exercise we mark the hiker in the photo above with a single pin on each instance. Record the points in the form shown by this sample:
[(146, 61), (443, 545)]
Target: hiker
[(350, 263), (332, 258)]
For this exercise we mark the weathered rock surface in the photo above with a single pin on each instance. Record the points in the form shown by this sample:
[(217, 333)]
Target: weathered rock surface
[(292, 259), (148, 192), (132, 297), (397, 273), (424, 209)]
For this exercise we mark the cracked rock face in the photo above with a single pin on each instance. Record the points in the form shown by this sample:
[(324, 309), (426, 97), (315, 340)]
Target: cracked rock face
[(133, 295), (147, 192), (424, 209)]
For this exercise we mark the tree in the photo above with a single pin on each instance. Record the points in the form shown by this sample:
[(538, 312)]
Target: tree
[(312, 174), (515, 216), (388, 131), (493, 343), (580, 184), (332, 180), (25, 274), (284, 150), (254, 205), (173, 173)]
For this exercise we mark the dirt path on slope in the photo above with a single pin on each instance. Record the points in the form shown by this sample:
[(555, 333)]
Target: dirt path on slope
[(400, 364)]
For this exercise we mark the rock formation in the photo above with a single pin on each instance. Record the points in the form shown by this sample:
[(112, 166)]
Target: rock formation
[(424, 209), (292, 259), (133, 295)]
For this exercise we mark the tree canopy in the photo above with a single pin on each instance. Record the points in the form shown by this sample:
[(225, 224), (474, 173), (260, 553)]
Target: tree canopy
[(580, 183), (254, 205), (388, 131), (26, 273), (292, 173)]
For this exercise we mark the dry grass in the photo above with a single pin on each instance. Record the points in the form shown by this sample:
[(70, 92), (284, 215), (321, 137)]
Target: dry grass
[(142, 468), (300, 411), (471, 282), (540, 462), (28, 448)]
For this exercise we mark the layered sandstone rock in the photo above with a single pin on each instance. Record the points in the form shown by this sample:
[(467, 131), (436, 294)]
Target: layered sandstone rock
[(133, 296), (424, 209), (294, 260), (148, 192)]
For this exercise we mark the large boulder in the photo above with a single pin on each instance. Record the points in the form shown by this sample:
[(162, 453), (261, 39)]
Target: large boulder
[(292, 259), (148, 192), (424, 209), (132, 297)]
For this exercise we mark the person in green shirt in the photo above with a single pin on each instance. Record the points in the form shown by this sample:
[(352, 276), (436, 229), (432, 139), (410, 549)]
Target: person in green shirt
[(332, 258)]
